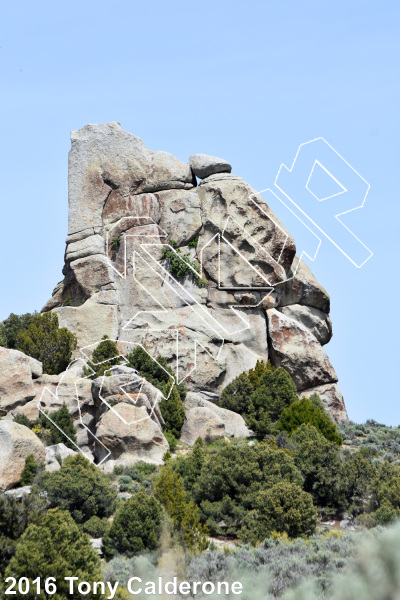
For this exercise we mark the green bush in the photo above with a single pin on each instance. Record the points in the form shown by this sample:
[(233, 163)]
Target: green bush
[(22, 419), (29, 471), (236, 395), (79, 487), (44, 340), (136, 527), (306, 411), (275, 391), (124, 482), (173, 411), (3, 340), (358, 473), (171, 439), (157, 373), (55, 547), (61, 427), (104, 357), (319, 462), (224, 482), (95, 527), (259, 396), (12, 326), (284, 508), (181, 264), (15, 516)]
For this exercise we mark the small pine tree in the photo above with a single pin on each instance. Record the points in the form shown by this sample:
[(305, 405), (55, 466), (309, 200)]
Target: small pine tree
[(44, 340), (258, 371), (161, 376), (284, 508), (235, 396), (276, 391), (79, 487), (172, 410), (29, 471), (170, 492), (3, 340), (158, 373)]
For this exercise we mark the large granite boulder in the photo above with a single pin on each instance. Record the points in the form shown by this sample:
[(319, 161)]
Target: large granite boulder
[(91, 321), (17, 442), (204, 165), (202, 422), (293, 347), (302, 287), (233, 422), (125, 385), (17, 374), (129, 435), (104, 158), (332, 399), (54, 454)]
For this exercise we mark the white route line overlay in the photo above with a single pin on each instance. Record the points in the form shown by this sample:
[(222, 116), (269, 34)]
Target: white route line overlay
[(283, 166), (84, 363)]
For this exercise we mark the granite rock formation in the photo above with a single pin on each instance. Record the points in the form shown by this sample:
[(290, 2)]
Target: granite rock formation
[(255, 299)]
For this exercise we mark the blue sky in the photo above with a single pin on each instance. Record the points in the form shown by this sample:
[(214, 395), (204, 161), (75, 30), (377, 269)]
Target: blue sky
[(248, 82)]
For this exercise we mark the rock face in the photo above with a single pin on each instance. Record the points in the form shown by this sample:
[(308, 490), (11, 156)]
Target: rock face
[(16, 444), (295, 348), (256, 299)]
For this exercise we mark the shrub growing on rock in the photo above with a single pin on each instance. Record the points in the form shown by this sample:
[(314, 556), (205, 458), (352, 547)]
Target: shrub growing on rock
[(22, 419), (172, 410), (29, 471), (60, 429), (275, 392), (259, 396), (161, 376), (236, 395), (104, 357)]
